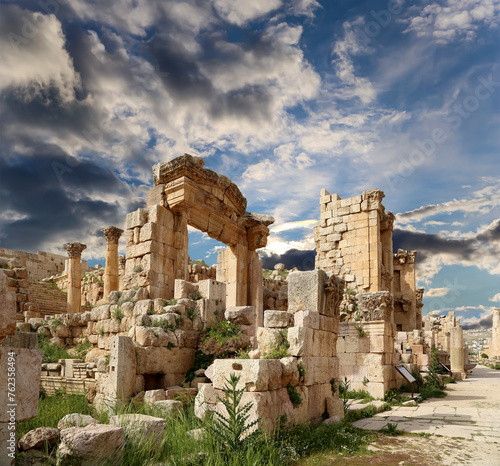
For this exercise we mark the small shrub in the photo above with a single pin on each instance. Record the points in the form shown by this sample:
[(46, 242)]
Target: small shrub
[(191, 313), (163, 324), (83, 348), (52, 353), (195, 296), (294, 395), (233, 432), (118, 314), (172, 302), (361, 331), (101, 331), (170, 345), (484, 356), (301, 369), (333, 386), (391, 429), (54, 323), (137, 269), (281, 351)]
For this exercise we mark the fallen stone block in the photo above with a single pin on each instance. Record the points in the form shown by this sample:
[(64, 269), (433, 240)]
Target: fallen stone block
[(90, 445), (39, 438)]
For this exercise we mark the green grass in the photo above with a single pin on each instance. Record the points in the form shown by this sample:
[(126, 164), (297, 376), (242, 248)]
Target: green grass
[(178, 448), (52, 353), (51, 409)]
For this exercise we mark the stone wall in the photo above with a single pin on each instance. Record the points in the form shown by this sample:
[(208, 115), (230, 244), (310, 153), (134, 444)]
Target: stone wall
[(407, 316), (40, 265), (354, 240), (365, 346), (308, 376), (19, 375)]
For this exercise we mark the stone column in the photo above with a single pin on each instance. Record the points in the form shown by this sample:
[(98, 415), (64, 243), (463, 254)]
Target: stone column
[(457, 352), (111, 274), (74, 275), (495, 336), (447, 342)]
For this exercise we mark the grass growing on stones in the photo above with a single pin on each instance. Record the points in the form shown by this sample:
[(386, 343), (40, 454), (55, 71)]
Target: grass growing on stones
[(51, 409), (52, 353), (180, 447)]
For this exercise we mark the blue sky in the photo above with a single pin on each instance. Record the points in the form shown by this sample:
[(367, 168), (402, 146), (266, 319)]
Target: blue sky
[(284, 97)]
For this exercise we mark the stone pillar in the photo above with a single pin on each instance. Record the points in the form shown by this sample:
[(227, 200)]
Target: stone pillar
[(111, 274), (495, 336), (457, 352), (74, 275), (447, 342)]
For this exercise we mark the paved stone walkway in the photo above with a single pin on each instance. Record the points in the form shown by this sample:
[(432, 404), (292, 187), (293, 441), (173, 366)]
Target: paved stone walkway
[(471, 410)]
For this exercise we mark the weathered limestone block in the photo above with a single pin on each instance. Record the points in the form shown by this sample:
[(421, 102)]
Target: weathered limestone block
[(100, 313), (7, 308), (141, 428), (375, 306), (301, 341), (122, 367), (306, 291), (300, 414), (241, 315), (76, 420), (324, 343), (27, 364), (268, 339), (90, 445), (184, 289), (309, 319), (213, 290), (276, 319), (318, 370), (254, 373), (39, 438), (136, 219), (169, 408), (151, 396), (205, 400), (290, 371), (145, 336), (161, 360)]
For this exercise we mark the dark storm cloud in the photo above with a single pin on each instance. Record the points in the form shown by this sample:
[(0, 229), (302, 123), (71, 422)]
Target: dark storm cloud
[(492, 234), (428, 244), (483, 323), (303, 260), (49, 194)]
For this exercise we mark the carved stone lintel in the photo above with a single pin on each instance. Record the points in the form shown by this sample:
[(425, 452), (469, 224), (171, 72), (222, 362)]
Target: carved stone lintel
[(112, 234), (74, 249)]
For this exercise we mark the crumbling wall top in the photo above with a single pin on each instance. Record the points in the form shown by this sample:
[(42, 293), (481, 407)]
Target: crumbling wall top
[(192, 168)]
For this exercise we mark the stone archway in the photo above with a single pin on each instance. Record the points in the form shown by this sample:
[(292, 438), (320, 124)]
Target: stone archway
[(185, 194)]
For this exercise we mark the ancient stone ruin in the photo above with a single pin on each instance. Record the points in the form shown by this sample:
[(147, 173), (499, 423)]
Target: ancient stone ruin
[(354, 317)]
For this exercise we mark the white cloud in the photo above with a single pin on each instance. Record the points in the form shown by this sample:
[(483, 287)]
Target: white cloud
[(354, 86), (437, 292), (293, 226), (482, 200), (454, 19), (33, 56), (241, 11), (496, 298)]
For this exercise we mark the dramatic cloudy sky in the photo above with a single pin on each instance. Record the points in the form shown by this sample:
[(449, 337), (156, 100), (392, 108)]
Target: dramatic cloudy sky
[(284, 97)]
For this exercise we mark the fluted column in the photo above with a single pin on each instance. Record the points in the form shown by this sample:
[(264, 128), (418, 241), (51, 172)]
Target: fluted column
[(74, 275), (111, 272)]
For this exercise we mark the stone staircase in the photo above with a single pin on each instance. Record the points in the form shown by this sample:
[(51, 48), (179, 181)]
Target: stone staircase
[(50, 299)]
